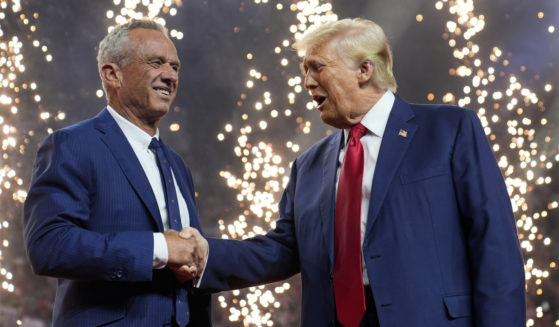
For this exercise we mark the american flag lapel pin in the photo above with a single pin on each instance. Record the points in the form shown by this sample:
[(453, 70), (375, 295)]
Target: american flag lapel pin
[(403, 133)]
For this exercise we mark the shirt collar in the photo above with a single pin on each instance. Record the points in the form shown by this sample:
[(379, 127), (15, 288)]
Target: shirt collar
[(376, 118), (134, 134)]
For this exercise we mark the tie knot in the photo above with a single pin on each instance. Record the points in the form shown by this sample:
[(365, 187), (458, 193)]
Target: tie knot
[(154, 144), (358, 131)]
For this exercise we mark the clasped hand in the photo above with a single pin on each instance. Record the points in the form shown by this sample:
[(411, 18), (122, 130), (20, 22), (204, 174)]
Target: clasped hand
[(187, 253)]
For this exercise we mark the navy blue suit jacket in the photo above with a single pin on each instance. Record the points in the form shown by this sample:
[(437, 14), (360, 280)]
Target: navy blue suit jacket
[(89, 217), (441, 248)]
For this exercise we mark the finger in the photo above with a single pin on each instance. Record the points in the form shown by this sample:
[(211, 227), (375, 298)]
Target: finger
[(195, 232), (185, 234), (188, 232), (187, 270)]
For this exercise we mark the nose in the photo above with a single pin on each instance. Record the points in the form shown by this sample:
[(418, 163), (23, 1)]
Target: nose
[(169, 74), (310, 82)]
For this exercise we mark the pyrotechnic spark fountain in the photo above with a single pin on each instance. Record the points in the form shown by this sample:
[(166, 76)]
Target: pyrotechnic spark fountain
[(513, 117), (265, 171), (19, 96), (138, 9)]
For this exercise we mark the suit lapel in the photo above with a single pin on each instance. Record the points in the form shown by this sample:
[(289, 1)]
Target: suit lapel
[(397, 136), (117, 144), (328, 191)]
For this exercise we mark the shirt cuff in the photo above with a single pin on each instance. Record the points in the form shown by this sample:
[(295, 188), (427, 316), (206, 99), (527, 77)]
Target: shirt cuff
[(160, 251)]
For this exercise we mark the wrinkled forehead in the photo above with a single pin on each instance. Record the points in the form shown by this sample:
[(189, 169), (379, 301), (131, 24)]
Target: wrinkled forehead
[(152, 42)]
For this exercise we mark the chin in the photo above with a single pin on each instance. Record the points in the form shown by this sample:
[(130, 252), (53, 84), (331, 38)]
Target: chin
[(162, 109), (329, 120)]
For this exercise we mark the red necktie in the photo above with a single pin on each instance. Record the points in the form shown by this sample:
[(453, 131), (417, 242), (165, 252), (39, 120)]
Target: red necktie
[(348, 276)]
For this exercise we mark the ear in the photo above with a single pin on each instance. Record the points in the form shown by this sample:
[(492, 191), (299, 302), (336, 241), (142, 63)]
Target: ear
[(366, 70), (110, 74)]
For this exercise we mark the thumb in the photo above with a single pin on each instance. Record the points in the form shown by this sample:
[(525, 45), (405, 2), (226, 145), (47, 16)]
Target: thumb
[(186, 233)]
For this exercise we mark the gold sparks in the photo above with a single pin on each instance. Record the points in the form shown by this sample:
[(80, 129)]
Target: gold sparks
[(139, 9), (506, 107), (264, 171), (16, 94)]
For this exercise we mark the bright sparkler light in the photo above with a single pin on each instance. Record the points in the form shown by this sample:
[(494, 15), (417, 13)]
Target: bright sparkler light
[(18, 96), (145, 9), (265, 172), (506, 108)]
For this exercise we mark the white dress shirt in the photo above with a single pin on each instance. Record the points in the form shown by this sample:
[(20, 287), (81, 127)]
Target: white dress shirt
[(375, 121), (139, 141)]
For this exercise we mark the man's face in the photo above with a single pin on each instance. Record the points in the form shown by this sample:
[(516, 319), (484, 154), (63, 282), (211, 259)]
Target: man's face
[(333, 85), (148, 83)]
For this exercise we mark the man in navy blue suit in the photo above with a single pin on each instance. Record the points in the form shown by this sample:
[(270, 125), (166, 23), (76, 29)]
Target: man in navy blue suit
[(99, 216), (400, 218)]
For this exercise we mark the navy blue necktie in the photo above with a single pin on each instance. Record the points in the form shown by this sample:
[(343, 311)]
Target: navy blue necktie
[(181, 297), (168, 185)]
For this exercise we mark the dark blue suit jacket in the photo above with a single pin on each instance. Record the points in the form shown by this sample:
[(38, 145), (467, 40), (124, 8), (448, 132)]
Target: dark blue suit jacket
[(441, 248), (90, 216)]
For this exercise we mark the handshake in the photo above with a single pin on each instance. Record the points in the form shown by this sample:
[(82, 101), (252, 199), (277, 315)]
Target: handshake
[(188, 252)]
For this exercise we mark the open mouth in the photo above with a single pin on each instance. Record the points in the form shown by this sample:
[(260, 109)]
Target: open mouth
[(319, 99), (163, 91)]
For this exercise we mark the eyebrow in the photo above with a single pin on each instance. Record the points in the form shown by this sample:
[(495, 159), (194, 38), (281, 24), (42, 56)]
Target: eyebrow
[(313, 60), (163, 59)]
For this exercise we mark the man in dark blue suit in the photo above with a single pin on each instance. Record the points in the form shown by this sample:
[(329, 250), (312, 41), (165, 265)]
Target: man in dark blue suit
[(99, 216), (408, 224)]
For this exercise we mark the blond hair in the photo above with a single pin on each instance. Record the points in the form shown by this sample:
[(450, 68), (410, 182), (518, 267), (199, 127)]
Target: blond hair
[(360, 40)]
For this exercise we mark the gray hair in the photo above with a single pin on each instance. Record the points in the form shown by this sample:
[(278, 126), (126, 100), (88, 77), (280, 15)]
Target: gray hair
[(115, 47)]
